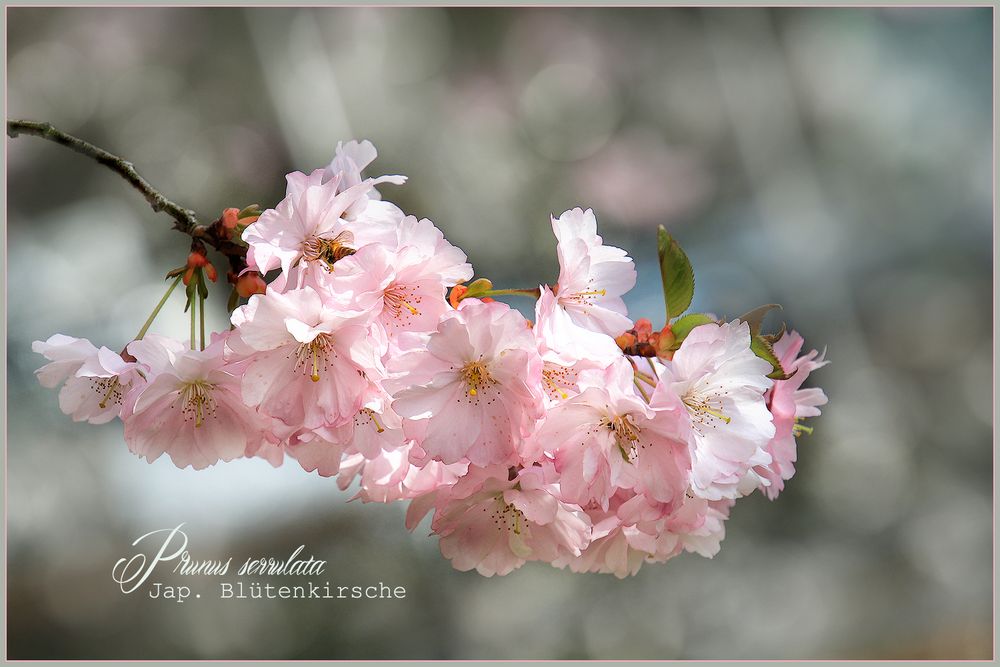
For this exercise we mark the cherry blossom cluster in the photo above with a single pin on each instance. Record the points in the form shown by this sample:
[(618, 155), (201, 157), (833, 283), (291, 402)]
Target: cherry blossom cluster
[(582, 438)]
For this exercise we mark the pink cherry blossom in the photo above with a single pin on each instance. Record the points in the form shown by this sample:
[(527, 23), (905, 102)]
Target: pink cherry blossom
[(310, 363), (400, 287), (789, 403), (349, 161), (494, 522), (637, 530), (375, 428), (307, 233), (717, 384), (474, 390), (607, 438), (390, 476), (95, 380), (190, 406), (567, 349), (440, 257), (592, 276)]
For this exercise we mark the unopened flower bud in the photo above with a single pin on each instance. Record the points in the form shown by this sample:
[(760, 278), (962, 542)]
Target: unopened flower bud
[(250, 283), (230, 218), (643, 328), (626, 340), (457, 293), (198, 260)]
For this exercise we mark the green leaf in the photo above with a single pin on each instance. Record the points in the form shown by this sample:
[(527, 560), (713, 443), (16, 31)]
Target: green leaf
[(683, 326), (676, 272), (763, 349), (755, 318), (775, 337)]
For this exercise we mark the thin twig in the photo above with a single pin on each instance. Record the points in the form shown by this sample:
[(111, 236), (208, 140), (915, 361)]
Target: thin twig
[(185, 219)]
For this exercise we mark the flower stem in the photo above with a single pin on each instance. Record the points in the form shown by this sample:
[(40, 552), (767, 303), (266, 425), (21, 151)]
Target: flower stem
[(645, 378), (534, 293), (652, 367), (156, 311), (201, 313), (193, 314), (642, 391)]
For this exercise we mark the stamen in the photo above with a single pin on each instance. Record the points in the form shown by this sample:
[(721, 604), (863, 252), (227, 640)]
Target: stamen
[(197, 401), (555, 388), (398, 297), (799, 429), (314, 355), (359, 419), (111, 388), (705, 409), (626, 434), (476, 376), (506, 516)]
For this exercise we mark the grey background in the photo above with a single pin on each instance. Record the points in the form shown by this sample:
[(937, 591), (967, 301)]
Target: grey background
[(837, 161)]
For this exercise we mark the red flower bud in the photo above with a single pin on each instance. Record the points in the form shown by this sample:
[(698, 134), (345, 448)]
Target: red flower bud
[(250, 283), (230, 218), (456, 294), (626, 340), (643, 328), (198, 260)]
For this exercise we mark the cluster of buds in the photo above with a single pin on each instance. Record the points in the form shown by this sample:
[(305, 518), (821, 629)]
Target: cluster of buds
[(361, 348)]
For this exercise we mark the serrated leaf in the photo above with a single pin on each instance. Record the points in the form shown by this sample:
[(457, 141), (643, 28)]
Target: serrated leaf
[(676, 273), (775, 337), (755, 318), (683, 326), (763, 349)]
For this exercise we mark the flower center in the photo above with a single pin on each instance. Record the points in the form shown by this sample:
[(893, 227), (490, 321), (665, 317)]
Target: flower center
[(398, 298), (555, 378), (584, 297), (626, 434), (506, 516), (705, 409), (197, 402), (313, 356), (365, 417), (476, 376), (328, 251), (110, 389)]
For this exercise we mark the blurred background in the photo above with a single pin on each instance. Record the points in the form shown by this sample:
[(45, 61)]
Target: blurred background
[(836, 161)]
